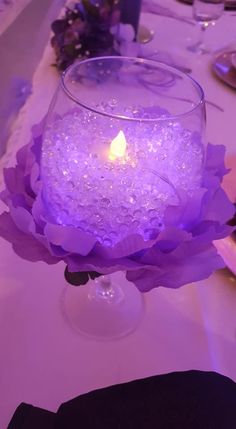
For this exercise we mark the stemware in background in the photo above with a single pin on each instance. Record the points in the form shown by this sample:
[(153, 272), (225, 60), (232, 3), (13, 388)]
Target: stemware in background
[(205, 13)]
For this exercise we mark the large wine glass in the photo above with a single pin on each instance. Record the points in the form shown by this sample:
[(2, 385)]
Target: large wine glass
[(122, 135), (205, 13)]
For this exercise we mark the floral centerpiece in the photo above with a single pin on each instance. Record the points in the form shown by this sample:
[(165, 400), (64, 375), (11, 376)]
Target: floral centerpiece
[(183, 252), (91, 28)]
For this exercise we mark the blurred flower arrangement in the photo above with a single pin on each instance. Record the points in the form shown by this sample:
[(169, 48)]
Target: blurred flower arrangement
[(91, 28)]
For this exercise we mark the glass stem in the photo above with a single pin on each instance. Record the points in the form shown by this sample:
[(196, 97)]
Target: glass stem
[(204, 26), (104, 287)]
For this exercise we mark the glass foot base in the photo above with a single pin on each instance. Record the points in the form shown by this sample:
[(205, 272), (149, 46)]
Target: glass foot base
[(198, 48), (103, 313)]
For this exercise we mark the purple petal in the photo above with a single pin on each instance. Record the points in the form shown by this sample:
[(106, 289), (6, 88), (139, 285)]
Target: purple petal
[(95, 263), (70, 239), (191, 262), (183, 252), (25, 246), (217, 207), (22, 219), (130, 245), (215, 160)]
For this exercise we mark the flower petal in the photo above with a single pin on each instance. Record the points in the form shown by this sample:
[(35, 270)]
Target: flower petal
[(70, 239)]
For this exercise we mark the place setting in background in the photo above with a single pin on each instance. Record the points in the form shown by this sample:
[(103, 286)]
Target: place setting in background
[(206, 14), (197, 38), (224, 66)]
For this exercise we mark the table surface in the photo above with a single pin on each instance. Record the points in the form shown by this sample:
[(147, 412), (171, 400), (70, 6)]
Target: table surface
[(42, 360), (9, 10)]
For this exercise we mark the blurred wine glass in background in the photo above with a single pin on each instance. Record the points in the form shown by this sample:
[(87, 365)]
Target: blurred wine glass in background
[(205, 13)]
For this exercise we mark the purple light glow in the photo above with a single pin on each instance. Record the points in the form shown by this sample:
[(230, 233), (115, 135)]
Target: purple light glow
[(182, 253), (151, 207), (108, 196)]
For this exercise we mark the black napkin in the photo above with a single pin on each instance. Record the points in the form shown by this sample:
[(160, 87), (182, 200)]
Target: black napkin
[(181, 400), (28, 417)]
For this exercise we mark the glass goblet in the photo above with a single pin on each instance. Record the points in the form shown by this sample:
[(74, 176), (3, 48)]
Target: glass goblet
[(205, 13), (122, 135)]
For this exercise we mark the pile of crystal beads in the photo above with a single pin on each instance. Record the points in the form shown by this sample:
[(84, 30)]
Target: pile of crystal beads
[(111, 198)]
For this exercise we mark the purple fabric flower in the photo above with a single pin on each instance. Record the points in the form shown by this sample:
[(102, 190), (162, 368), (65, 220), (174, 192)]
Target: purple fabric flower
[(183, 252)]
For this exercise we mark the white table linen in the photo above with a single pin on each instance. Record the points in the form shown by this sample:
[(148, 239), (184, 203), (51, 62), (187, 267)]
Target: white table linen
[(42, 360)]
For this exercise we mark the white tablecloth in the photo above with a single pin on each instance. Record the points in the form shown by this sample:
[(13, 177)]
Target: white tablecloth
[(9, 10), (21, 46), (42, 360)]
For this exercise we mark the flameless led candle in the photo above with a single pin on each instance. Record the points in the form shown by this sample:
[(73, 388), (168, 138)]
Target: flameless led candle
[(118, 146)]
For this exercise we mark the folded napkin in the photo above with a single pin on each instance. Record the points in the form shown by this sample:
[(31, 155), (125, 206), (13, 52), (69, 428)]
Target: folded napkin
[(180, 400)]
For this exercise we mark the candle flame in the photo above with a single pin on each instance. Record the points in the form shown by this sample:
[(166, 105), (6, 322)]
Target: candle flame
[(118, 146)]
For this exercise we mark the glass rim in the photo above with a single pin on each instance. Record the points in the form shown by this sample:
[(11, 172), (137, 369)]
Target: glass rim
[(156, 64)]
